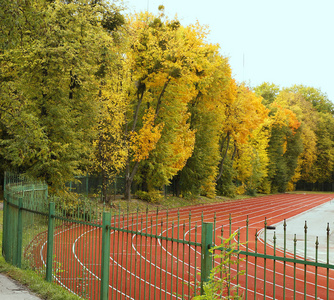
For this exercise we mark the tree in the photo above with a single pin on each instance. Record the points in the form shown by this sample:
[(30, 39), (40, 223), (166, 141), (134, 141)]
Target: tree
[(207, 111), (317, 122), (48, 77), (308, 116), (268, 92), (163, 60), (318, 99), (322, 170), (110, 146), (252, 161), (242, 117), (285, 146)]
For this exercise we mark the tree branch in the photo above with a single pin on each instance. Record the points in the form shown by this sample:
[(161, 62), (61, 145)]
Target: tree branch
[(160, 98), (234, 152), (135, 117)]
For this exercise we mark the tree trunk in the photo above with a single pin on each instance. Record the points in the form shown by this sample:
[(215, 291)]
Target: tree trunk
[(223, 159), (130, 176), (135, 116), (234, 153), (176, 185), (128, 183), (129, 179), (144, 175), (104, 187), (157, 109), (103, 173)]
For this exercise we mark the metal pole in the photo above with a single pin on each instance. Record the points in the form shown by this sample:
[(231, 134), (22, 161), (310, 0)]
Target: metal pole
[(206, 256), (19, 235), (49, 256), (106, 221)]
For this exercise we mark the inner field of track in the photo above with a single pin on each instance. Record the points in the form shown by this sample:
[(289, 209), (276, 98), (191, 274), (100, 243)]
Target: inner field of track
[(149, 268)]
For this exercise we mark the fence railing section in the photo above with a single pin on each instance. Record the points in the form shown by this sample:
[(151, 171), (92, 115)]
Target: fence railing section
[(272, 268), (21, 196), (103, 255), (157, 255)]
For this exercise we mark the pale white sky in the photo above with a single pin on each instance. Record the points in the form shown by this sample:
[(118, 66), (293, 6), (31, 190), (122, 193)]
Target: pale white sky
[(284, 42)]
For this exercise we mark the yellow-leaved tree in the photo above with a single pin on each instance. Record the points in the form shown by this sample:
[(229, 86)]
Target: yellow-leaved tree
[(161, 62), (110, 146), (49, 59), (215, 89), (307, 115), (285, 146), (252, 161), (242, 117)]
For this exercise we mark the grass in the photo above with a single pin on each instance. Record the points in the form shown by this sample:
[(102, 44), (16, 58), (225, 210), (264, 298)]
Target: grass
[(309, 192), (169, 202)]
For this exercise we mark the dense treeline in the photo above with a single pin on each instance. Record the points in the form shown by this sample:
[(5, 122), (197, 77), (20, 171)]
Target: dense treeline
[(85, 88)]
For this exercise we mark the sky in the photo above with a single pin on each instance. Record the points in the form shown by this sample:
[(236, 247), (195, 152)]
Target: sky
[(285, 42)]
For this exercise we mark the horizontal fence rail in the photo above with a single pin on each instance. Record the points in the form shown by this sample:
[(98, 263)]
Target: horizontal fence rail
[(158, 255), (271, 270)]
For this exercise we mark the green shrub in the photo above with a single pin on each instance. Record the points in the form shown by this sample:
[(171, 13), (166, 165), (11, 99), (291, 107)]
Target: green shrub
[(265, 187), (74, 205), (151, 197), (250, 191)]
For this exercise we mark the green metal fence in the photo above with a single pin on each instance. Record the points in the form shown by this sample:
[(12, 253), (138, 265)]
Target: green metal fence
[(274, 270), (101, 255), (154, 255), (92, 185), (21, 196)]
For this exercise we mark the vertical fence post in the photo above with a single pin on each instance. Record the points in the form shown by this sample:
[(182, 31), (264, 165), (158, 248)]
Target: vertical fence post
[(5, 186), (206, 255), (4, 227), (49, 256), (8, 238), (106, 221), (4, 240), (19, 234)]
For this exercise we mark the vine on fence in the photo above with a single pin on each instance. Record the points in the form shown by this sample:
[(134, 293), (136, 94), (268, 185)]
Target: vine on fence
[(220, 284)]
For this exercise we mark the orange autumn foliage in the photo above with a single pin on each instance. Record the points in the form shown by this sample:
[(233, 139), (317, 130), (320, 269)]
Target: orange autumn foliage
[(145, 140)]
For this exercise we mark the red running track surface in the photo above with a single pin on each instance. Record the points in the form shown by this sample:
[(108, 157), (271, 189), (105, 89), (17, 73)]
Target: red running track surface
[(148, 268)]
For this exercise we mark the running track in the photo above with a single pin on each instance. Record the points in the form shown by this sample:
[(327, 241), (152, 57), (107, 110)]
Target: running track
[(148, 268)]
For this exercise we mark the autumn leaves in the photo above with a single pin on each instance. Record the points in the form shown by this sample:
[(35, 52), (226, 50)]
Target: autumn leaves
[(86, 89)]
